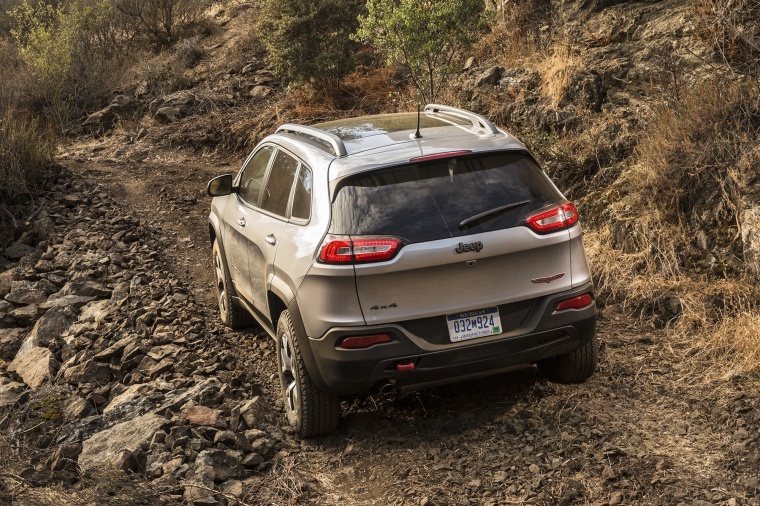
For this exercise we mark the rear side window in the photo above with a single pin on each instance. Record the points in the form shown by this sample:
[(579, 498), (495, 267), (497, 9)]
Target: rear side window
[(280, 181), (430, 201), (302, 195)]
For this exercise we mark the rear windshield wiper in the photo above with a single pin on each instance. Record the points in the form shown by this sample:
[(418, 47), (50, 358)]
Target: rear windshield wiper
[(489, 215)]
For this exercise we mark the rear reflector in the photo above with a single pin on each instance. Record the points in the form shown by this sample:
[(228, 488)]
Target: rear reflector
[(360, 250), (578, 302), (438, 156), (557, 218), (358, 342), (405, 367)]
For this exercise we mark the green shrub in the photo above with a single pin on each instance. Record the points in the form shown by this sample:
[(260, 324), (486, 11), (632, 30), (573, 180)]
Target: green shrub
[(70, 54), (427, 38), (309, 39)]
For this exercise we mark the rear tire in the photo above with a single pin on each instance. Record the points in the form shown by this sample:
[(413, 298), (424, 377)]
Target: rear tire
[(574, 367), (309, 410), (231, 314)]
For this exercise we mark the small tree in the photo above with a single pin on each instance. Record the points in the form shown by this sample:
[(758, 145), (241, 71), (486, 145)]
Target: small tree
[(427, 37), (310, 39)]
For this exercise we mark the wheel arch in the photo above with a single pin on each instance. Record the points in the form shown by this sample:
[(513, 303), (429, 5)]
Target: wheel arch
[(303, 344)]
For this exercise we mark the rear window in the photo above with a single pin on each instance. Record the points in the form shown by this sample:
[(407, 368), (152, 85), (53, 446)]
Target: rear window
[(431, 200)]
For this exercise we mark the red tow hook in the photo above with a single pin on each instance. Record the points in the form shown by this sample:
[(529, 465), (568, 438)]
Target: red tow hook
[(405, 367)]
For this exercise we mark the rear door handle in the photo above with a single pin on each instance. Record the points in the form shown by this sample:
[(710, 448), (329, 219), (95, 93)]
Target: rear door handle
[(241, 222), (270, 239)]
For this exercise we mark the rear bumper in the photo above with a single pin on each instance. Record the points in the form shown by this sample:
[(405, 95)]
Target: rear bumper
[(544, 334)]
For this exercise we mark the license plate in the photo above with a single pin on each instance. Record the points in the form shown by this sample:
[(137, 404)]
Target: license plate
[(472, 324)]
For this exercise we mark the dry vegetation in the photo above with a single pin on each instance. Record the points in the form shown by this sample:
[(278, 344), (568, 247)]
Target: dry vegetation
[(557, 70), (662, 195)]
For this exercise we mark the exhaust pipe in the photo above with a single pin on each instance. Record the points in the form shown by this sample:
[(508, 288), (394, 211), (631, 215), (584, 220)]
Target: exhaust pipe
[(387, 388)]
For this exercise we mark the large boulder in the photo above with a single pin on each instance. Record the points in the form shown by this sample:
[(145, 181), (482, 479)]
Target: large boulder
[(106, 118), (106, 448), (10, 392), (6, 281), (17, 250), (26, 296), (88, 372), (10, 341), (586, 90), (35, 367), (48, 329)]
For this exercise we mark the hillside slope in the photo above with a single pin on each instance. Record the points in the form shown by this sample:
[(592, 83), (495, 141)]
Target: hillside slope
[(120, 386)]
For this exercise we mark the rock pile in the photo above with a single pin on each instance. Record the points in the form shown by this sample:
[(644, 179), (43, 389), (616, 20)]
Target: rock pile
[(106, 361)]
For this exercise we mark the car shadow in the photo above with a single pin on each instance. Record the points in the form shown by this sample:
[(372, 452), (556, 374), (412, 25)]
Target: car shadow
[(437, 412)]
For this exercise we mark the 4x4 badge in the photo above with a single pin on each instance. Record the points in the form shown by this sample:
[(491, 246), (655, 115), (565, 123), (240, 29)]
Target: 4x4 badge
[(547, 279), (473, 246)]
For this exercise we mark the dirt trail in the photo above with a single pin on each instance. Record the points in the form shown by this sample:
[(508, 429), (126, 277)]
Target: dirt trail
[(636, 433)]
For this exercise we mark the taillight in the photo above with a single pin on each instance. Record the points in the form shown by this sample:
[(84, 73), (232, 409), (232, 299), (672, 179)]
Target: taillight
[(557, 218), (358, 342), (336, 251), (579, 302), (359, 250)]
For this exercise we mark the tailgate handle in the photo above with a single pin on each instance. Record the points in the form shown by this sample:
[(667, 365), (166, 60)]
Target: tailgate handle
[(270, 239)]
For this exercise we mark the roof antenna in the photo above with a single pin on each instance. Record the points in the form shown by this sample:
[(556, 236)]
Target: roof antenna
[(417, 134)]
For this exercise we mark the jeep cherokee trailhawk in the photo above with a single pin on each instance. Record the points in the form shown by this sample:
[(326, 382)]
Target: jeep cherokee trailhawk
[(402, 249)]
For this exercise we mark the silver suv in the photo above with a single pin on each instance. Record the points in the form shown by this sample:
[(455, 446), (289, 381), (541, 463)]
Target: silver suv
[(406, 250)]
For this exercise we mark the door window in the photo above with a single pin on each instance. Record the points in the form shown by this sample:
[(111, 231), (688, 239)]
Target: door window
[(277, 191), (252, 178)]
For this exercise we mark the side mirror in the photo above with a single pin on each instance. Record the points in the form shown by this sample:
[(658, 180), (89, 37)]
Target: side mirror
[(220, 186)]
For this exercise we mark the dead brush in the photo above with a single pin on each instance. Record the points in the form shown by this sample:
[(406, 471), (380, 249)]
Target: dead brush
[(730, 27), (281, 486), (709, 320), (520, 31), (557, 70)]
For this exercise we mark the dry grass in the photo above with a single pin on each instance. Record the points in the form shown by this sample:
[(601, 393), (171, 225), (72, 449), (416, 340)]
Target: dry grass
[(678, 205), (714, 318), (557, 70), (737, 341), (24, 152), (371, 92), (692, 151), (519, 32)]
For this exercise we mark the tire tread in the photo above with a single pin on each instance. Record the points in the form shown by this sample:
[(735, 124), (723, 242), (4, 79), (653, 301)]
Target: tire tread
[(320, 411), (574, 367)]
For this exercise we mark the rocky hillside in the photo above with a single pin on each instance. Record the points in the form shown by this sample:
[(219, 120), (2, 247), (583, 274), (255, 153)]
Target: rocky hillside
[(118, 384)]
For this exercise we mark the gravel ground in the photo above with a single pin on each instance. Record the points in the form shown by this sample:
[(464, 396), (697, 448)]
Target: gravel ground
[(653, 426)]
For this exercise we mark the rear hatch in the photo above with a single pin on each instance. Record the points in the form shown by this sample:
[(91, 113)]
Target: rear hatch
[(465, 246)]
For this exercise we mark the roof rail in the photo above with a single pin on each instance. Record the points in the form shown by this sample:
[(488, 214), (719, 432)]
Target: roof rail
[(477, 120), (333, 140)]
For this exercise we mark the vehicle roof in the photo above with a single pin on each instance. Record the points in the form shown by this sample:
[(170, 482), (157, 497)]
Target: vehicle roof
[(388, 139)]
